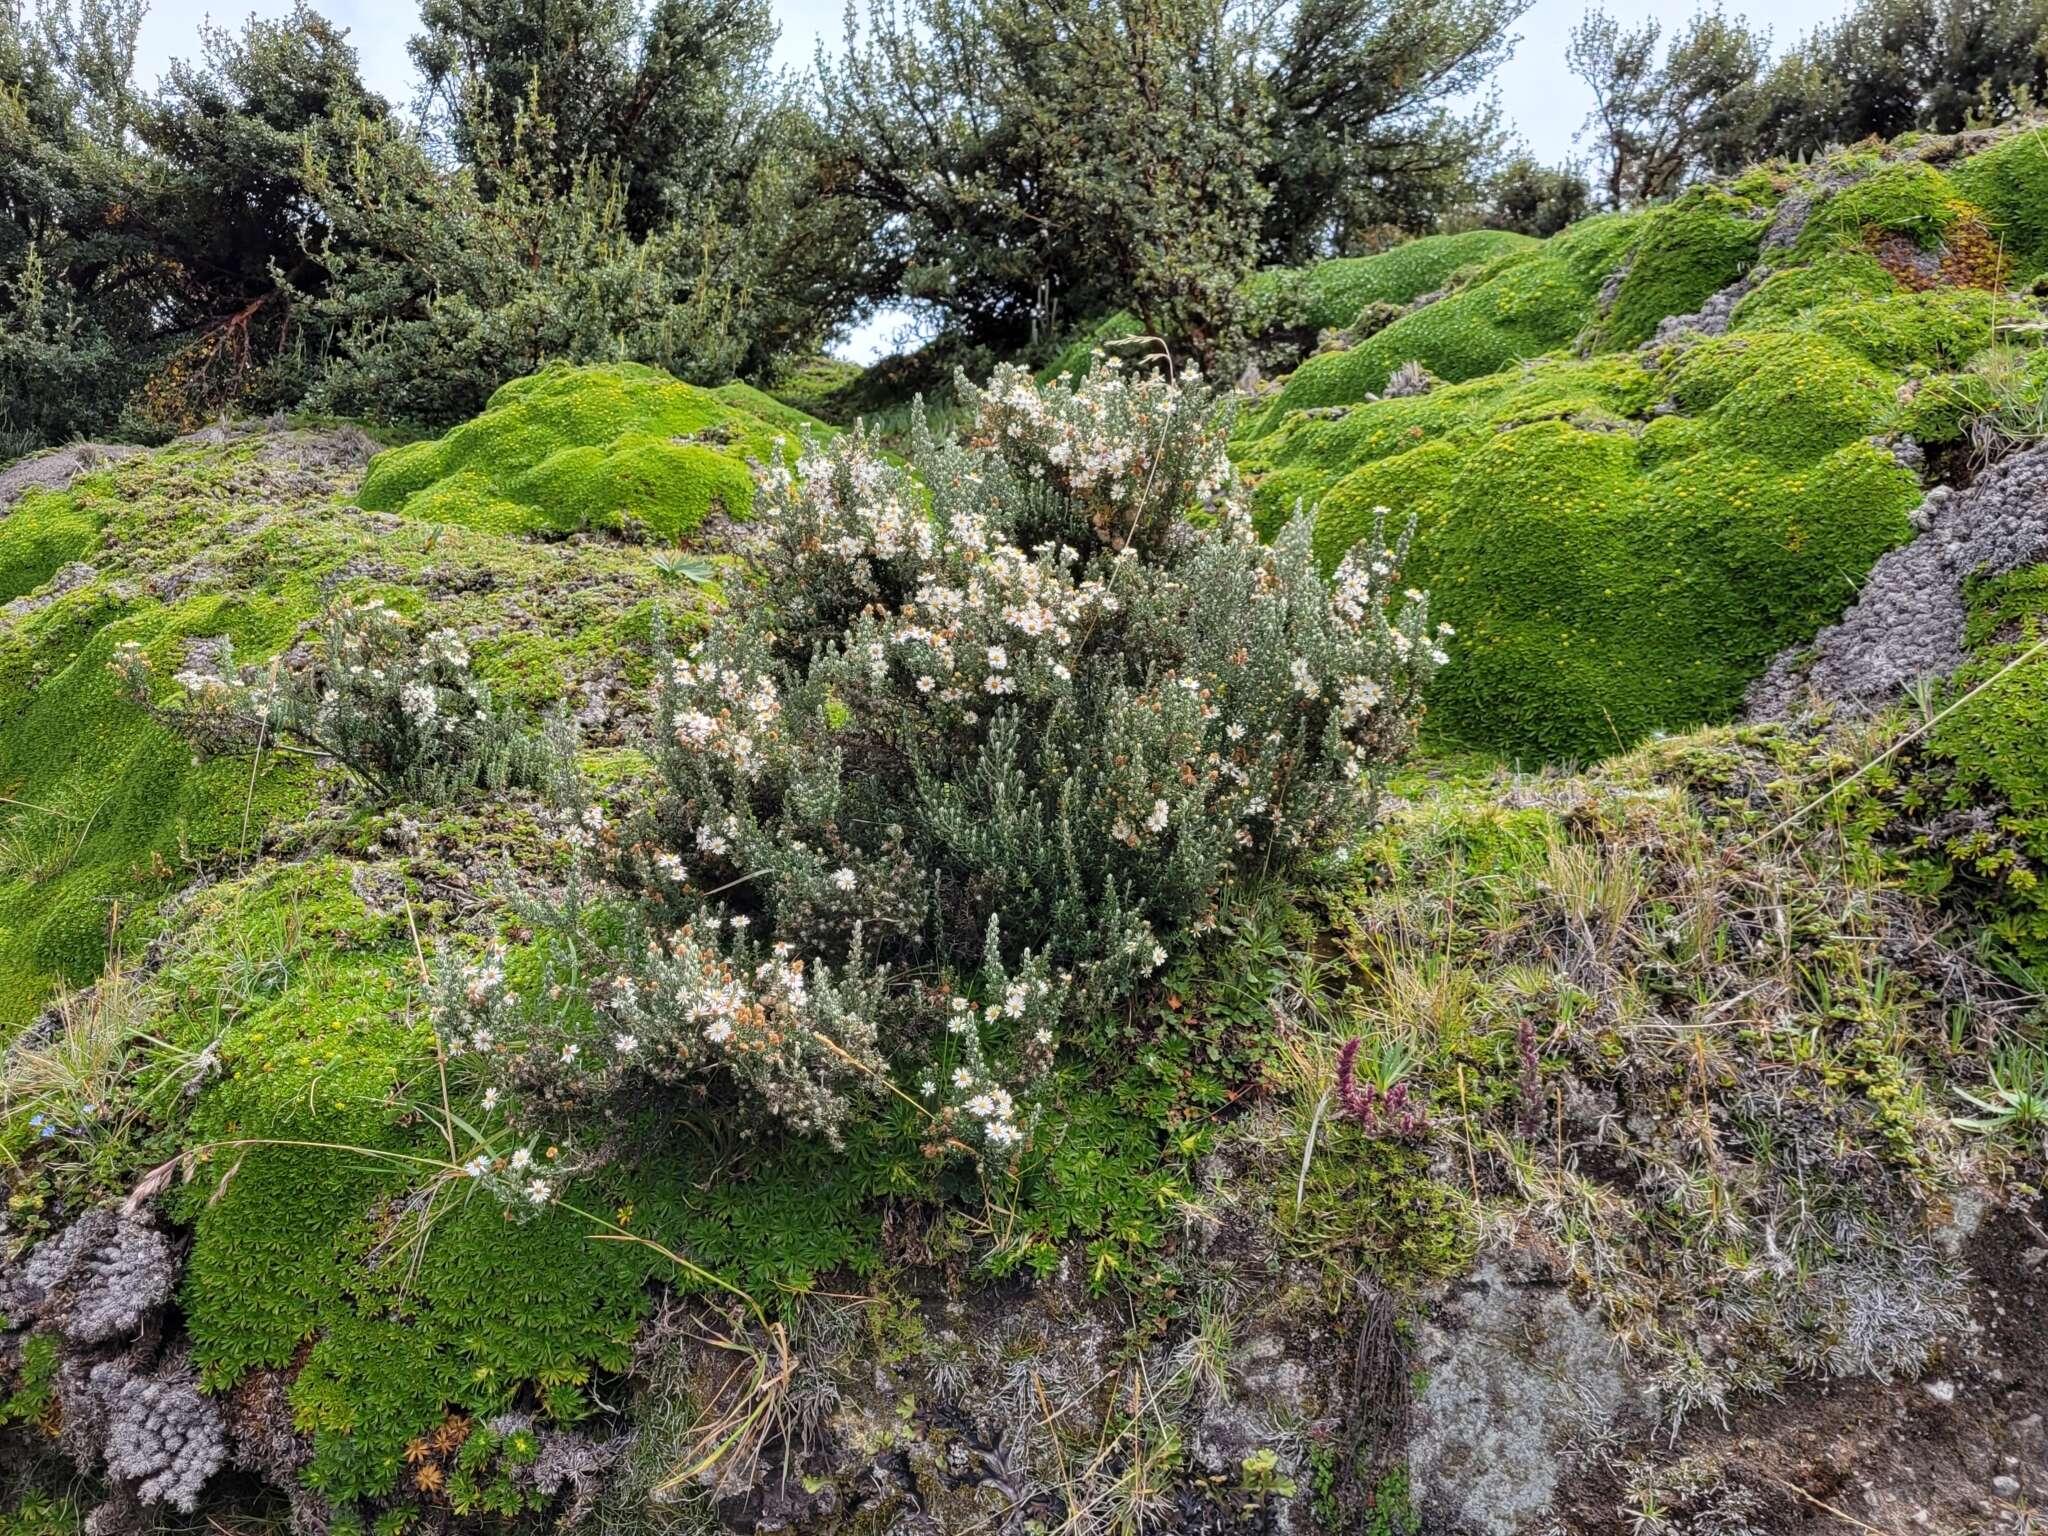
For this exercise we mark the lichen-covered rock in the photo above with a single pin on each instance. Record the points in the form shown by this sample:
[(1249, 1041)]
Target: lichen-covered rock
[(1908, 621), (1518, 1378), (56, 469)]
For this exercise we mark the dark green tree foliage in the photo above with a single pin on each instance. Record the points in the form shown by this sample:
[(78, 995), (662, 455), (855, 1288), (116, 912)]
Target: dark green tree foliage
[(77, 285), (228, 195), (1535, 199), (144, 236), (1658, 121), (1891, 66), (443, 290), (261, 231), (659, 97), (1023, 161), (1366, 126)]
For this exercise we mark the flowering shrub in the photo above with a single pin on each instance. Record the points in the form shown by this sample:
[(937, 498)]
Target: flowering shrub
[(987, 740), (401, 710), (1380, 1100)]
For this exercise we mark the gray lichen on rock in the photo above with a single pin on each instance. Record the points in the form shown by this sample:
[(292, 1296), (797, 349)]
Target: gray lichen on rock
[(1518, 1376), (1907, 624)]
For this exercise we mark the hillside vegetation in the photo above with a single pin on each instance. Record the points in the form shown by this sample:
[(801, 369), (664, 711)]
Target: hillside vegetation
[(1625, 525), (647, 964)]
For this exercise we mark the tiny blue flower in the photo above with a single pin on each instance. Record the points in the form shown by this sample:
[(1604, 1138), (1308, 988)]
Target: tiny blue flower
[(49, 1131), (35, 1120)]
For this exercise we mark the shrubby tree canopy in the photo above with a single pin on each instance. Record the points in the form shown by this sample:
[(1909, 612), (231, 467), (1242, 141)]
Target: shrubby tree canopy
[(1535, 199), (1713, 102), (262, 230), (661, 97), (1659, 121), (1022, 160), (1890, 66)]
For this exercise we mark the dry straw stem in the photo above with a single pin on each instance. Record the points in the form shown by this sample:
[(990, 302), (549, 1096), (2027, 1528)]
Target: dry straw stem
[(1904, 741)]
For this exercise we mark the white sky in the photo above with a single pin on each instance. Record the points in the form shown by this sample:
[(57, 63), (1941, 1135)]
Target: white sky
[(1545, 104)]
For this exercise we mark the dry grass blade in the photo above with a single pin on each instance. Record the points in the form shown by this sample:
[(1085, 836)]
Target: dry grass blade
[(743, 1416)]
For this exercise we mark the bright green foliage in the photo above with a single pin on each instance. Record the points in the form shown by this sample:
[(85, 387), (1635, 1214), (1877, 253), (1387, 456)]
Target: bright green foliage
[(38, 535), (1689, 249), (411, 1310), (569, 449), (1521, 305), (1324, 296), (103, 800), (1624, 540), (2010, 183), (1832, 277), (1609, 574), (1907, 198), (106, 809), (1331, 293)]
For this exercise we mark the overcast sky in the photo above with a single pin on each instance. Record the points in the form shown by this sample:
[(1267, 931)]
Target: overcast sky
[(1545, 104)]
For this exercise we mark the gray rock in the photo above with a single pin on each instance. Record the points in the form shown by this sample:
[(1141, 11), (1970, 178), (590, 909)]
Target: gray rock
[(55, 470), (1517, 1377), (1907, 623)]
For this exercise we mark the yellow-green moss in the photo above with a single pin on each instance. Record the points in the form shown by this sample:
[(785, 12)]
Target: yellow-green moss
[(1689, 250), (1832, 277), (1331, 293), (105, 811), (1528, 302), (40, 535), (1906, 198), (568, 449), (2010, 183), (1625, 540), (1613, 571)]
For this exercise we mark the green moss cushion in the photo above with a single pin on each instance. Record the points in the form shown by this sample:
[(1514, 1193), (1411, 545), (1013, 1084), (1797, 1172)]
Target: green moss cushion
[(1333, 292), (569, 449), (1622, 541), (1525, 303), (1689, 250), (2010, 183)]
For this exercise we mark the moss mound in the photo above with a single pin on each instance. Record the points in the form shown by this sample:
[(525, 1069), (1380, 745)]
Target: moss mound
[(1689, 250), (570, 449), (2010, 183), (246, 541), (1527, 302), (1624, 539), (1331, 293)]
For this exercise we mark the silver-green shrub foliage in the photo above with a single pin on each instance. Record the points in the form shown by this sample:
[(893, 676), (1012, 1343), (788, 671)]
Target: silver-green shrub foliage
[(987, 740), (403, 711)]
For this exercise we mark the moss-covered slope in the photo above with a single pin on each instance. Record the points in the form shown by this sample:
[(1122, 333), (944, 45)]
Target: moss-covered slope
[(569, 449), (245, 541), (1519, 305), (1624, 533)]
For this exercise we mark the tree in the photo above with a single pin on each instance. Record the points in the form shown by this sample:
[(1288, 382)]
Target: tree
[(82, 291), (1657, 123), (662, 96), (1891, 66), (675, 109), (1366, 127), (1537, 199), (228, 198), (1017, 156)]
